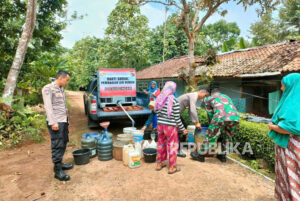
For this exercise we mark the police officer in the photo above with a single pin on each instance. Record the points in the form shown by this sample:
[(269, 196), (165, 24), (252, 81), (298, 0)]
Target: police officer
[(57, 122), (189, 100)]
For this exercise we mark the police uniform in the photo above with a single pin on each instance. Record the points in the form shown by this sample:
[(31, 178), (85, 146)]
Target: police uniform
[(57, 113)]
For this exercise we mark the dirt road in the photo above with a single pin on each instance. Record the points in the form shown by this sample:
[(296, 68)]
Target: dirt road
[(27, 172)]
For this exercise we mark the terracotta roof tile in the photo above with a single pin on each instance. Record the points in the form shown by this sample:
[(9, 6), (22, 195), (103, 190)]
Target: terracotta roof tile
[(278, 57)]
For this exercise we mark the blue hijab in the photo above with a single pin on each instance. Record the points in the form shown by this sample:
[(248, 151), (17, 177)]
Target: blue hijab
[(150, 88), (287, 113)]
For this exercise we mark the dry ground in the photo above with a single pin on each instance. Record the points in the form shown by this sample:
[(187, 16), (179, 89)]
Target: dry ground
[(27, 172)]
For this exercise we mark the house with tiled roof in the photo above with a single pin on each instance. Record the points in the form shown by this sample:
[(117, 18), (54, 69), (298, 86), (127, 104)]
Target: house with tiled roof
[(250, 76)]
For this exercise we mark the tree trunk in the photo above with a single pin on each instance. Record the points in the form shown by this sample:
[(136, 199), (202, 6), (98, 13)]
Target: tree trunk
[(20, 53), (191, 60)]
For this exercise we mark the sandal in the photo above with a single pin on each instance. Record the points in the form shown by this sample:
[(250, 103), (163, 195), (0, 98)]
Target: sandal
[(176, 170), (162, 166)]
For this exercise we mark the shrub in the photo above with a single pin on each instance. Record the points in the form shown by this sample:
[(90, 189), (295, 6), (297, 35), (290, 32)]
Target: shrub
[(201, 115), (256, 134), (21, 124)]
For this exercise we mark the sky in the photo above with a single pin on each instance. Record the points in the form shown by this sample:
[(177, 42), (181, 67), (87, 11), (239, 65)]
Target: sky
[(97, 11)]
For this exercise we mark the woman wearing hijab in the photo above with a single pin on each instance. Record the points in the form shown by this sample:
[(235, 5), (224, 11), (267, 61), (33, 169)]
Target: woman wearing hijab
[(168, 119), (285, 131), (152, 119), (153, 91)]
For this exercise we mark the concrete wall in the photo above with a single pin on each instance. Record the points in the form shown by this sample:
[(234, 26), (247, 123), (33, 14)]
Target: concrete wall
[(231, 86), (143, 84)]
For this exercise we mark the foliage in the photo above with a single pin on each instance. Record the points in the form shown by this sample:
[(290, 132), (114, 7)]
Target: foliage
[(22, 124), (46, 36), (242, 44), (43, 56), (257, 135), (40, 72), (224, 48), (176, 43), (221, 32), (210, 37), (266, 31), (285, 26), (289, 16), (191, 22), (201, 115), (126, 37), (125, 44), (249, 132), (83, 60)]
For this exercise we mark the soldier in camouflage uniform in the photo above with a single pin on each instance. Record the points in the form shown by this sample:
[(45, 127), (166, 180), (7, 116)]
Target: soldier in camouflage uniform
[(223, 120)]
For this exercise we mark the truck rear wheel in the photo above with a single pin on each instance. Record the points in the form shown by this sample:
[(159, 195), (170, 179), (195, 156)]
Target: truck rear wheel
[(85, 105)]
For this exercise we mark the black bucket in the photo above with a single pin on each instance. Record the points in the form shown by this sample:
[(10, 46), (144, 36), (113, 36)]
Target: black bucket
[(81, 156), (150, 155)]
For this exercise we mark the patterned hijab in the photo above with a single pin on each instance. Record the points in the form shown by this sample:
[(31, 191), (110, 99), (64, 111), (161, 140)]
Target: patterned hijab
[(166, 97)]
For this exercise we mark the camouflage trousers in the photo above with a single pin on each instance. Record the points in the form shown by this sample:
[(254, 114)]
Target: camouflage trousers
[(220, 132)]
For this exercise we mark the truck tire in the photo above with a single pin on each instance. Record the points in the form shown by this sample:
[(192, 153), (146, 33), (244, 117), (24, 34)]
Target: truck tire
[(85, 105), (92, 123)]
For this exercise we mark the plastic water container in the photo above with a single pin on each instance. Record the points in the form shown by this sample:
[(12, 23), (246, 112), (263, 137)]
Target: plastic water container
[(88, 141), (91, 135), (134, 159), (118, 150), (126, 150), (200, 135), (138, 135), (190, 134), (124, 137), (104, 148), (128, 130)]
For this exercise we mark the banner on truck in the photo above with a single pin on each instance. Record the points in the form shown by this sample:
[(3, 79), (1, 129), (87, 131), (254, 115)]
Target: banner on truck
[(117, 82)]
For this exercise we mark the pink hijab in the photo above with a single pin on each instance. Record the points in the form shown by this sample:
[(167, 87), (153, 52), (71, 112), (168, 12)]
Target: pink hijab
[(166, 96)]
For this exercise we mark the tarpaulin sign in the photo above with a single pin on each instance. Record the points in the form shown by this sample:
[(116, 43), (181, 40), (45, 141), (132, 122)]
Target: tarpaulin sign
[(117, 82)]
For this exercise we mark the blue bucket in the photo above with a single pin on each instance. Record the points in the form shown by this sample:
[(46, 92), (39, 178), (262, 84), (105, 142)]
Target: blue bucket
[(190, 137), (203, 129), (138, 138)]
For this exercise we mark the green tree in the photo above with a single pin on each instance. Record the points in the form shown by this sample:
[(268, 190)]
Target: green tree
[(126, 37), (281, 28), (218, 33), (25, 38), (266, 31), (242, 44), (224, 48), (176, 43), (191, 22), (50, 21), (83, 60), (289, 15), (40, 71)]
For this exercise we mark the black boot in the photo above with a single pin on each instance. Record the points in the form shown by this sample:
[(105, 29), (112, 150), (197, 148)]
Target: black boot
[(222, 157), (67, 166), (181, 154), (59, 173), (198, 157)]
